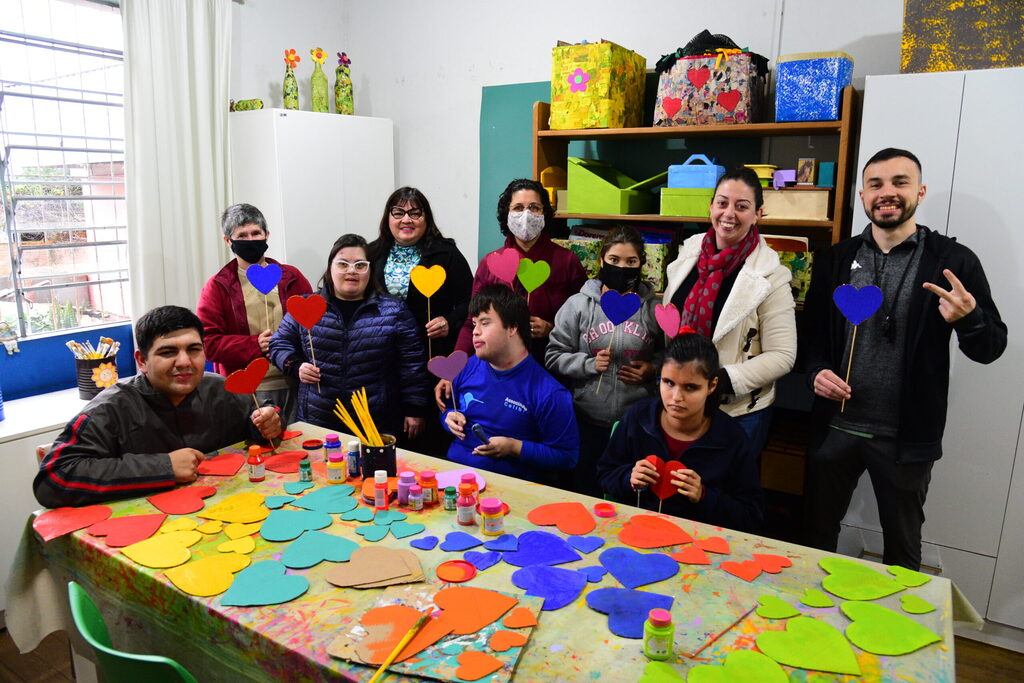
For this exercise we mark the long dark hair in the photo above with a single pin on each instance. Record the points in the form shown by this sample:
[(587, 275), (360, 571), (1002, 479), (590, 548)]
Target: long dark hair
[(416, 200), (349, 240), (689, 347), (748, 178), (505, 201)]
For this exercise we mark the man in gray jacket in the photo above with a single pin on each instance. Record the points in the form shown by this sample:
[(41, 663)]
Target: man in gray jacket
[(149, 432)]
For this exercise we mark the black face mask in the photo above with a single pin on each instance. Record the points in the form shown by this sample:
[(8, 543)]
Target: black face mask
[(250, 251), (618, 278)]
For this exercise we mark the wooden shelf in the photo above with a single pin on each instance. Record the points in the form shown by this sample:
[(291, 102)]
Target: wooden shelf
[(759, 130), (657, 218)]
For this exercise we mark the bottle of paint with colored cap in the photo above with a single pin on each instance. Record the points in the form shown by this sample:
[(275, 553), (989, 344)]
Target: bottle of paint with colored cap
[(257, 472), (492, 516), (405, 480), (659, 634), (332, 444), (352, 459), (466, 505), (305, 471), (428, 481), (336, 469), (416, 497), (451, 499), (470, 478)]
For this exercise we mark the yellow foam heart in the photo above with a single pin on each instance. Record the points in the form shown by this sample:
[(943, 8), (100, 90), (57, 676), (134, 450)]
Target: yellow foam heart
[(180, 524), (244, 545), (208, 575), (236, 530), (212, 527), (241, 508), (428, 280), (163, 550)]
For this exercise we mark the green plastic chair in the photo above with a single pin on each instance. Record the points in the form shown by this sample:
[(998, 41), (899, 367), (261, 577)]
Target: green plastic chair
[(116, 666)]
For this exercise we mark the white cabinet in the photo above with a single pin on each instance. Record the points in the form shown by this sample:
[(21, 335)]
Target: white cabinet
[(314, 176)]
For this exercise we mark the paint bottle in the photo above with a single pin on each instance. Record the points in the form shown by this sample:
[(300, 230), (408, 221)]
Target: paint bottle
[(352, 458), (305, 471), (466, 505), (405, 480), (428, 482), (492, 516), (336, 468), (470, 478), (255, 462), (416, 497), (380, 496), (332, 444), (659, 633), (451, 499)]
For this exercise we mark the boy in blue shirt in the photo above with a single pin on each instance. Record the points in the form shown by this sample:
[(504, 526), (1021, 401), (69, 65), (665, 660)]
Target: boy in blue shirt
[(511, 416)]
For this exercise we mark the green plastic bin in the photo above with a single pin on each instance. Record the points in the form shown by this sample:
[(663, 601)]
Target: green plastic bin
[(686, 201), (600, 188)]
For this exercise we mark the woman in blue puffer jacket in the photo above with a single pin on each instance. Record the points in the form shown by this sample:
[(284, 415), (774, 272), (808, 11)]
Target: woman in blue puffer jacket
[(365, 339)]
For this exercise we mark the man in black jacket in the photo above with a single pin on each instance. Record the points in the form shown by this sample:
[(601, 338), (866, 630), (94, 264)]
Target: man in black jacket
[(890, 418)]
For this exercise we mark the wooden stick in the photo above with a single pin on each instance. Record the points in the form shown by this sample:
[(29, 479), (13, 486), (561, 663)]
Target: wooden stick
[(273, 448), (430, 349), (401, 646), (849, 364), (601, 379), (266, 309), (312, 355)]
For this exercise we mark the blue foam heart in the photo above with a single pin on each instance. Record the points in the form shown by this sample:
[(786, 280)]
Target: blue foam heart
[(313, 547), (557, 586), (358, 515), (264, 278), (373, 532), (286, 525), (385, 517), (264, 583), (330, 499), (274, 502), (425, 543), (620, 307), (857, 304), (586, 544), (634, 569), (540, 547), (459, 540), (297, 487), (402, 529), (627, 609), (594, 574), (503, 543), (482, 560)]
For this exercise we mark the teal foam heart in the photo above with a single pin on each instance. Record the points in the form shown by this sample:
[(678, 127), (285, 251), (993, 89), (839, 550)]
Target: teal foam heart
[(358, 515), (297, 487), (401, 529), (373, 532), (385, 517), (330, 499), (851, 580), (286, 525), (275, 502), (313, 547), (882, 631), (264, 583)]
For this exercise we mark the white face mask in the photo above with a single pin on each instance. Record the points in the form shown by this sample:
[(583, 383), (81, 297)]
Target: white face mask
[(525, 225)]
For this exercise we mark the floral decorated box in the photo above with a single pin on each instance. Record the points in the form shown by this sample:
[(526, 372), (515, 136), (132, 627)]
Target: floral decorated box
[(712, 89), (596, 85), (587, 250)]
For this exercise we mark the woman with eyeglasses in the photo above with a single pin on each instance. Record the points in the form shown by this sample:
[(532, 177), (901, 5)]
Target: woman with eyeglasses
[(365, 339)]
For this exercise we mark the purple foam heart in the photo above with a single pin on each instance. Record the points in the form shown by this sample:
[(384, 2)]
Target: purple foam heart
[(558, 587), (540, 547), (503, 543), (627, 609), (504, 264), (454, 478), (425, 543), (586, 544), (459, 540), (857, 304), (482, 560), (593, 574), (634, 569), (619, 307), (264, 278), (448, 367)]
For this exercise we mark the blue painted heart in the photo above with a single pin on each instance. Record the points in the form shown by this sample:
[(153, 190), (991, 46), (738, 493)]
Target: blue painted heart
[(425, 543), (634, 569), (627, 609), (482, 560), (358, 515), (620, 307), (594, 574), (313, 547), (264, 278), (557, 586), (857, 304), (503, 543), (402, 529), (330, 499), (586, 544), (456, 541), (541, 547), (286, 525), (373, 532), (264, 583)]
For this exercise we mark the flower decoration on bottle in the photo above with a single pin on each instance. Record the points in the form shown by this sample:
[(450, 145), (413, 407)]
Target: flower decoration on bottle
[(105, 375), (318, 81), (291, 59), (343, 103), (343, 59), (578, 80), (319, 56)]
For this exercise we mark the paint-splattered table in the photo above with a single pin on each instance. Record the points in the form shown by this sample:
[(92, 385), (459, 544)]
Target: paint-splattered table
[(146, 613)]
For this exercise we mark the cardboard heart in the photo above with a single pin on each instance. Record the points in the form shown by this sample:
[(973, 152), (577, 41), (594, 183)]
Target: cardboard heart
[(691, 554), (668, 319), (772, 564), (671, 106), (210, 528), (240, 508), (459, 540), (857, 305), (520, 617), (503, 543), (748, 570), (620, 307), (373, 532), (246, 381), (448, 367), (369, 565), (627, 609), (333, 500), (222, 465), (263, 278), (559, 587), (314, 547), (773, 607), (586, 544), (813, 597), (569, 518), (594, 574), (532, 274), (851, 580), (504, 264), (287, 525), (183, 500), (53, 523), (307, 311), (358, 515), (663, 487), (425, 543), (729, 99), (122, 531), (207, 576), (882, 631), (915, 605), (482, 560), (503, 641), (405, 529), (908, 577), (163, 550), (698, 76), (740, 665), (648, 531), (275, 502), (285, 462), (264, 583), (428, 280), (810, 644), (474, 665), (540, 547), (242, 546), (634, 569), (713, 544)]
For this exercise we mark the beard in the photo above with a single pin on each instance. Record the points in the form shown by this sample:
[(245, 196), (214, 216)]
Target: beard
[(907, 212)]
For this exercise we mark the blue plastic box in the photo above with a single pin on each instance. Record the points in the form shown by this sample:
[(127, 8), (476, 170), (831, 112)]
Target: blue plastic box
[(809, 85), (691, 174)]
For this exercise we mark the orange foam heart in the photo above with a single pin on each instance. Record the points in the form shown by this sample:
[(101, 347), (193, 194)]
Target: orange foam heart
[(400, 618), (475, 665), (468, 609), (773, 564), (503, 641), (748, 570), (248, 380), (691, 554), (520, 617), (569, 518), (307, 312), (428, 280), (648, 531), (713, 544)]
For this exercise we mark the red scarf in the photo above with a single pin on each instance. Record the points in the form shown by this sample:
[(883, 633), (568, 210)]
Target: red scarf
[(712, 268)]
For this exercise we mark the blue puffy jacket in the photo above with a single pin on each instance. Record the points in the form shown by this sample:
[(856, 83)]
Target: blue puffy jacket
[(380, 350)]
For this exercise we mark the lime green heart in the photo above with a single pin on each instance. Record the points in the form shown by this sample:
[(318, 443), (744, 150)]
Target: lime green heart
[(851, 580), (908, 577), (740, 665), (915, 605), (882, 631), (813, 597), (533, 273), (775, 608), (660, 672), (810, 644)]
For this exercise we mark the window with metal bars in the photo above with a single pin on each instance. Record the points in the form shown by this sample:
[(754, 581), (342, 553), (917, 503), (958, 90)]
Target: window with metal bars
[(63, 235)]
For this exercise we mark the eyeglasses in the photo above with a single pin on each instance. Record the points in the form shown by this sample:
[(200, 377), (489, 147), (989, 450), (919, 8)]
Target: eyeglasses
[(399, 213), (532, 208), (358, 266)]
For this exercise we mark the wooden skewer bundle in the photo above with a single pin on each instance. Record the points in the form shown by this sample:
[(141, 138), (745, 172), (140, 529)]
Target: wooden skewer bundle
[(368, 434)]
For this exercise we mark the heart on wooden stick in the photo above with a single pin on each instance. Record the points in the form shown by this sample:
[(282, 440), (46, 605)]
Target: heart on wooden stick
[(664, 488), (504, 264), (668, 319), (307, 311), (248, 380), (428, 280)]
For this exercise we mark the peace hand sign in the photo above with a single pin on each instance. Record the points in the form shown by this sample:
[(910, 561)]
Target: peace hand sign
[(954, 304)]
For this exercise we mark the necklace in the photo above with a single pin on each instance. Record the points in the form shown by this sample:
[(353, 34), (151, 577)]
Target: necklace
[(888, 324)]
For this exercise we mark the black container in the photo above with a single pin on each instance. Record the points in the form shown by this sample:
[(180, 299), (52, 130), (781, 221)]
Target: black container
[(373, 458), (87, 387)]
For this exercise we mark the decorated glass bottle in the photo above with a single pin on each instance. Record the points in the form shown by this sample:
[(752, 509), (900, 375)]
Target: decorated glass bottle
[(290, 93), (343, 102), (318, 82)]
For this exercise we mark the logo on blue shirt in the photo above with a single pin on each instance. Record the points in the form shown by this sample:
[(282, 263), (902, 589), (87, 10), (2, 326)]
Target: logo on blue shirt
[(515, 405)]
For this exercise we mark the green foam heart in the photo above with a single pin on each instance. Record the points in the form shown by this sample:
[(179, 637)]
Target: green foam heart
[(740, 665), (851, 580), (532, 274), (908, 577), (659, 672), (882, 631), (810, 644), (775, 608), (813, 597), (916, 605)]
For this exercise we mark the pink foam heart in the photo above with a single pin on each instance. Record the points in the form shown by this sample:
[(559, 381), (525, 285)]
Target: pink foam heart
[(504, 264), (668, 319)]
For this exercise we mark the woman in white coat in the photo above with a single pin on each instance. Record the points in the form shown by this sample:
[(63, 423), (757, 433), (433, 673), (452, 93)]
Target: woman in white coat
[(730, 286)]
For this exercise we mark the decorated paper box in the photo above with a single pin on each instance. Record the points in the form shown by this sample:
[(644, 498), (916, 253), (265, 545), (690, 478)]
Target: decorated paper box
[(596, 85), (795, 254), (686, 201), (711, 89), (808, 86), (653, 272)]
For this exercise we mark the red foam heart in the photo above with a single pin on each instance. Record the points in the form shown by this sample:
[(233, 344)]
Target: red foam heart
[(729, 99), (671, 105), (248, 380), (691, 554), (570, 518), (54, 523), (182, 501), (285, 463), (290, 435), (698, 76), (307, 312), (504, 264), (663, 488), (648, 531), (773, 564), (122, 531), (748, 570), (713, 544), (223, 465)]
